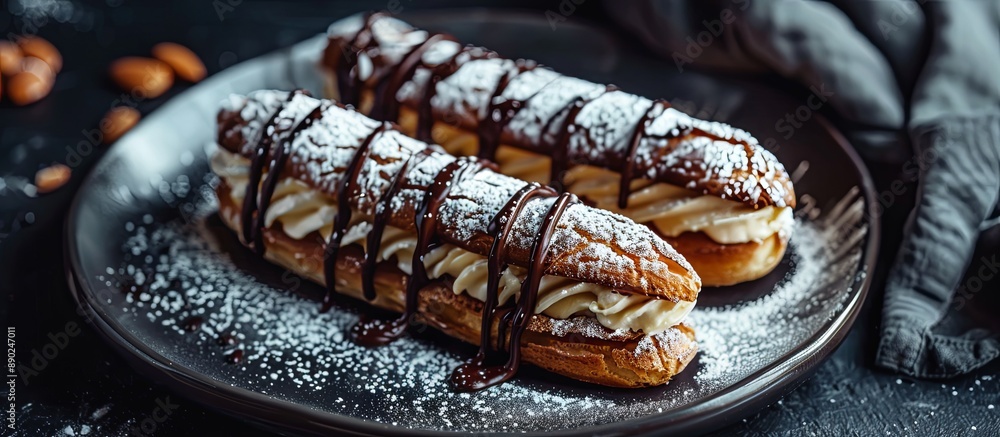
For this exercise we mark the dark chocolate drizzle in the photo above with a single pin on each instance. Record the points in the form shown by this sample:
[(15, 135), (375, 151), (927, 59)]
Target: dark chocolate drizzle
[(380, 221), (628, 165), (348, 80), (374, 332), (374, 238), (425, 118), (478, 373), (385, 92), (274, 174), (262, 151), (500, 111), (342, 220), (560, 149), (253, 225), (235, 357), (499, 229)]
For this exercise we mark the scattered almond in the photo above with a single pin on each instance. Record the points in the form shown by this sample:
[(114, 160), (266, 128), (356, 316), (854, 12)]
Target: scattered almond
[(42, 49), (51, 178), (149, 76), (185, 63), (31, 84), (10, 58), (37, 66), (118, 121), (26, 88)]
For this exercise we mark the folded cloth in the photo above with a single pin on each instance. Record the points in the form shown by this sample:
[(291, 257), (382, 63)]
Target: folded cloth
[(926, 68)]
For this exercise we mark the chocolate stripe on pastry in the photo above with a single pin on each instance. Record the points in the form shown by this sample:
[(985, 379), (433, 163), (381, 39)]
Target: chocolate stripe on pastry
[(574, 121), (323, 166)]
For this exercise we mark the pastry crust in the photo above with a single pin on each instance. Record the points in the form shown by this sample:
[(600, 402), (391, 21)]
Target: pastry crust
[(704, 156), (728, 264), (578, 348)]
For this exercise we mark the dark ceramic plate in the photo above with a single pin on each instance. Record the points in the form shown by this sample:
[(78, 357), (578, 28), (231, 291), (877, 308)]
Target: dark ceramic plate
[(170, 286)]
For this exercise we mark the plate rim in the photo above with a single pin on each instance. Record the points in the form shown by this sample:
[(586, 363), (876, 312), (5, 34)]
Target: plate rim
[(740, 398)]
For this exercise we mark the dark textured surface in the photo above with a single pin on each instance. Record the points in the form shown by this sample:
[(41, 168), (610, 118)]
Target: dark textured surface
[(85, 387)]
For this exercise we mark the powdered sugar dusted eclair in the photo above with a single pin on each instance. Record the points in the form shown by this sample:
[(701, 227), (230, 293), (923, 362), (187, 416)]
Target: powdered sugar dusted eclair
[(524, 272), (709, 189)]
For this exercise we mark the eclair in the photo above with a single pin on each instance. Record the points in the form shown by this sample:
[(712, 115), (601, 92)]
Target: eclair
[(524, 272), (710, 190)]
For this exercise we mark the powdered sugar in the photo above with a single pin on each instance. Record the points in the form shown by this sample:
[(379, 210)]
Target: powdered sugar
[(186, 268), (605, 125), (738, 336), (466, 94), (293, 352)]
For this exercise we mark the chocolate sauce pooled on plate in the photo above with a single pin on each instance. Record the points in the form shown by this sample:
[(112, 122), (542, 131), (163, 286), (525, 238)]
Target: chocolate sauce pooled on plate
[(227, 339), (235, 357), (193, 323)]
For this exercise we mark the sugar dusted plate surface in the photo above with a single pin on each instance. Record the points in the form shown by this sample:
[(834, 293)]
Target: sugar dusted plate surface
[(169, 284)]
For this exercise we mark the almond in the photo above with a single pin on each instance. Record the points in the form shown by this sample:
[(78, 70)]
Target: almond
[(10, 58), (148, 76), (26, 88), (118, 121), (37, 66), (42, 49), (185, 63), (32, 83), (51, 178)]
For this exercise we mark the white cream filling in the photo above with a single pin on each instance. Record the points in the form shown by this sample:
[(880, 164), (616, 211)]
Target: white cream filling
[(302, 210), (675, 210)]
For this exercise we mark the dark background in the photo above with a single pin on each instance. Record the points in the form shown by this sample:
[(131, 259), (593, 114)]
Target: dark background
[(88, 390)]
